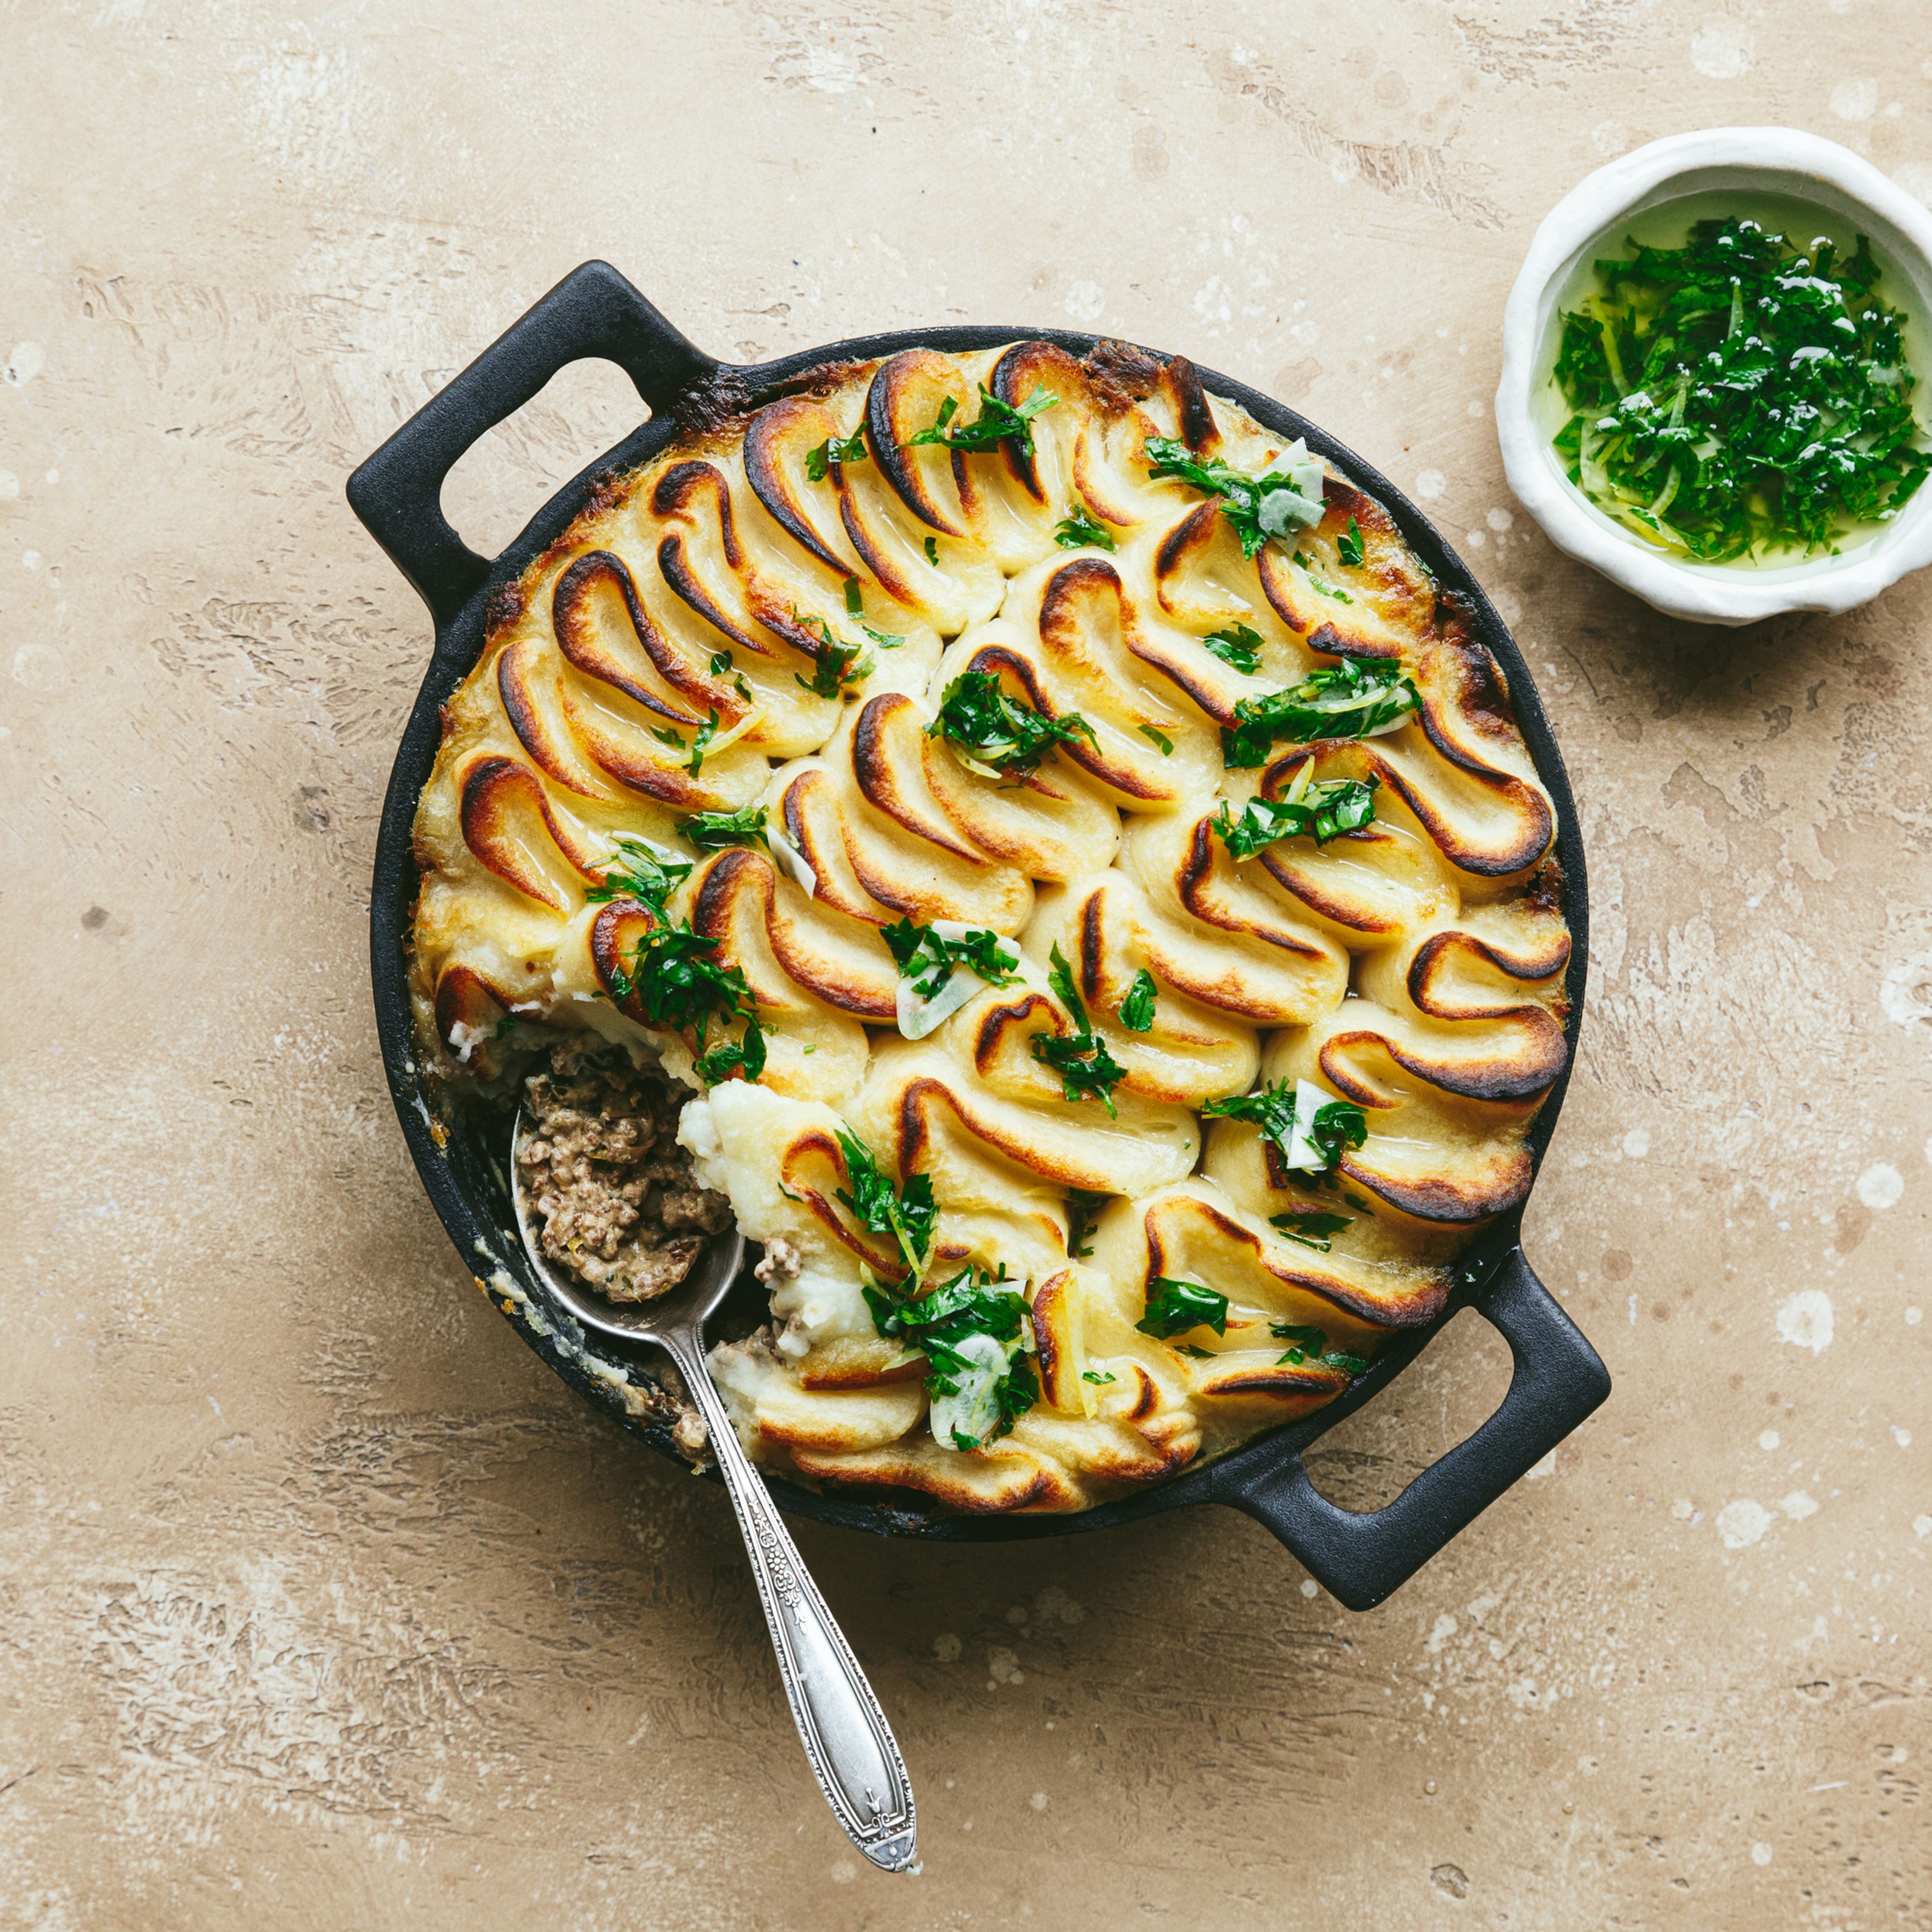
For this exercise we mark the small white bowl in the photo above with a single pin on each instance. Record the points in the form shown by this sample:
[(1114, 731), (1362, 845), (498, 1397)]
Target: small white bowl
[(1746, 163)]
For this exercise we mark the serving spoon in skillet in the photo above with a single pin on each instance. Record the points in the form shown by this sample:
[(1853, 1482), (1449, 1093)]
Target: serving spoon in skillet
[(850, 1745)]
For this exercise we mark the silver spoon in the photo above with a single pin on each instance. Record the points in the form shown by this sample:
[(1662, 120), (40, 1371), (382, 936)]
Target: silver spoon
[(850, 1745)]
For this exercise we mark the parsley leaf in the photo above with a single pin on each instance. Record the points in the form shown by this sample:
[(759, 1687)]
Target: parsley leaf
[(1321, 811), (855, 608), (908, 1214), (1087, 1070), (679, 986), (1159, 738), (1309, 1342), (1311, 1230), (996, 735), (1080, 528), (721, 661), (745, 1056), (973, 1334), (1342, 700), (1173, 1307), (927, 957), (1236, 644), (1096, 1377), (1083, 1211), (713, 831), (1137, 1008), (932, 551), (1319, 584), (1349, 545), (640, 873), (835, 449), (1285, 496), (996, 422), (1312, 1130), (835, 665)]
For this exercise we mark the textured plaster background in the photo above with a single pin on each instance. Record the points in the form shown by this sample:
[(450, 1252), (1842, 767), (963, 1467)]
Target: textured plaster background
[(322, 1606)]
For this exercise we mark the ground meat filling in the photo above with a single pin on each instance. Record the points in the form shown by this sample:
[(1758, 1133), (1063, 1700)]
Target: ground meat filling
[(612, 1195)]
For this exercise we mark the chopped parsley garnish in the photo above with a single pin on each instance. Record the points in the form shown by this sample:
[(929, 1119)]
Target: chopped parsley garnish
[(1083, 1211), (1318, 584), (997, 420), (1321, 811), (722, 662), (680, 988), (835, 449), (1173, 1307), (745, 1056), (932, 551), (1311, 1229), (708, 730), (1285, 497), (1311, 1128), (1349, 545), (928, 957), (1739, 395), (1137, 1008), (1087, 1070), (1236, 644), (855, 608), (836, 665), (713, 831), (1095, 1376), (640, 873), (1080, 528), (908, 1214), (973, 1334), (1346, 700), (1311, 1343), (997, 736), (1159, 738)]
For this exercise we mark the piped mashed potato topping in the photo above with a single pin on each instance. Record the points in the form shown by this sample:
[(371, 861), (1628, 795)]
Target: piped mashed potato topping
[(1092, 882)]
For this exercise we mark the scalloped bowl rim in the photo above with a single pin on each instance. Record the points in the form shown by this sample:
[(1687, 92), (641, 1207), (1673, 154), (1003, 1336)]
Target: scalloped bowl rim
[(1791, 163)]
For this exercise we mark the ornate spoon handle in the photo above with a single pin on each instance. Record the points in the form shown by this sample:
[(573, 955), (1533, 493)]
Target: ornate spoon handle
[(851, 1747)]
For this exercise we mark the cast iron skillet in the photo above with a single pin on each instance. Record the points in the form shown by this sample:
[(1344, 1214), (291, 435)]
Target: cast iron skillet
[(594, 312)]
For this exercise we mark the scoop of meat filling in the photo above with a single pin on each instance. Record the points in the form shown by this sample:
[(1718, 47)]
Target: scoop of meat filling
[(613, 1197)]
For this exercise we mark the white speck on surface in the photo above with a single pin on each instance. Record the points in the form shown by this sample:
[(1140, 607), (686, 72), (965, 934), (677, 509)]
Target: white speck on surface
[(10, 486), (1004, 1666), (1683, 1509), (1913, 1316), (1797, 1506), (1742, 1523), (1444, 1628), (1636, 1143), (1854, 100), (1880, 1186), (27, 360), (1902, 1437), (1477, 539), (1547, 1467), (1922, 1525), (1085, 301), (1038, 1801), (1724, 50), (1760, 1853), (946, 1647), (1905, 993), (843, 1872), (1309, 1588), (1500, 519), (1430, 484), (32, 559), (1632, 1305), (1805, 1321), (1769, 1439)]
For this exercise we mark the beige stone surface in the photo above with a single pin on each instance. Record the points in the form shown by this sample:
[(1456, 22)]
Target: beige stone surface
[(322, 1604)]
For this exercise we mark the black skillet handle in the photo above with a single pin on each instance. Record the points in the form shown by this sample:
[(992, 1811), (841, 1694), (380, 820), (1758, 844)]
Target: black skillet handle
[(1361, 1557), (397, 492)]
